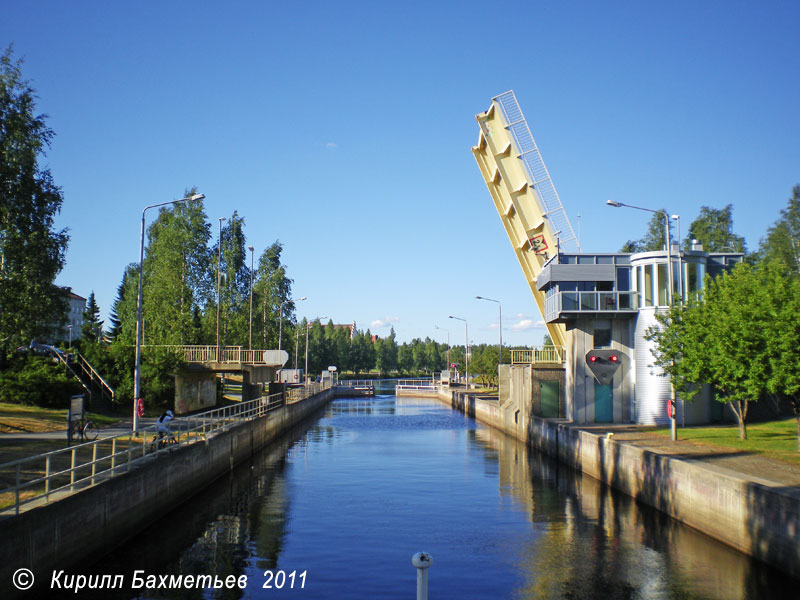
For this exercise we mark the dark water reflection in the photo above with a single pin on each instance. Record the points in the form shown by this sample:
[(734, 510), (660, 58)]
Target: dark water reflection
[(350, 499)]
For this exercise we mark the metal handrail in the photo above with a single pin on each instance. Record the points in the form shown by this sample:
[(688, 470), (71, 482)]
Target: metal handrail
[(428, 383), (83, 473), (544, 355)]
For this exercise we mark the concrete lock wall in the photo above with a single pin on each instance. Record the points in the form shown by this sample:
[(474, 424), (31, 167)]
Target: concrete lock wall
[(80, 528), (756, 517)]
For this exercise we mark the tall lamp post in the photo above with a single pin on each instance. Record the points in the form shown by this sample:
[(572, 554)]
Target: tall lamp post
[(308, 326), (251, 295), (448, 344), (677, 219), (219, 263), (280, 321), (500, 307), (466, 345), (614, 203), (137, 371)]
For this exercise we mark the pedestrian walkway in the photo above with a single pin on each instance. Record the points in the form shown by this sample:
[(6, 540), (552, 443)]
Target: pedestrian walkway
[(761, 469)]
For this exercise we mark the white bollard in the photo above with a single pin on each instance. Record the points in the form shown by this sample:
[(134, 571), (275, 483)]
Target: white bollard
[(422, 560)]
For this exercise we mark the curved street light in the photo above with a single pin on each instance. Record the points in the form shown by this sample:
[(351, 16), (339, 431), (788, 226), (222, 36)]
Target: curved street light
[(615, 204), (137, 370), (251, 296), (500, 326), (448, 344), (466, 345), (280, 320), (308, 326)]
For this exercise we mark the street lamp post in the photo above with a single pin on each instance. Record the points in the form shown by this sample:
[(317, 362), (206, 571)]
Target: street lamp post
[(219, 263), (251, 296), (614, 203), (280, 321), (308, 326), (448, 344), (137, 371), (677, 219), (466, 345), (500, 307)]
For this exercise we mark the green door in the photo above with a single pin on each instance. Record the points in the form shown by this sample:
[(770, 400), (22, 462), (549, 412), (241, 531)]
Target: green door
[(550, 395), (603, 403)]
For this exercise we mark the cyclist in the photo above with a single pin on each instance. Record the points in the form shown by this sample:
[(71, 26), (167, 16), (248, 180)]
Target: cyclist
[(162, 425)]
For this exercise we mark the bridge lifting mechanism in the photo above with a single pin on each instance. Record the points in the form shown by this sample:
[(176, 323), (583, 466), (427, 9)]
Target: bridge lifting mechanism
[(523, 194)]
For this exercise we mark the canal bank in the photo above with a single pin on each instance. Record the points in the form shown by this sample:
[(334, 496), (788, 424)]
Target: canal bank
[(757, 516), (80, 528)]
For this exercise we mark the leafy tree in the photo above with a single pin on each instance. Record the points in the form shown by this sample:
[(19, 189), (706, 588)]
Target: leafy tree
[(714, 229), (721, 340), (175, 273), (782, 306), (386, 353), (32, 251), (271, 287), (782, 242), (235, 287)]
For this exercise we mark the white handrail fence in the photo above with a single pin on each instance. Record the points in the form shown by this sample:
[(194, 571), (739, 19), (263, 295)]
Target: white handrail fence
[(64, 471)]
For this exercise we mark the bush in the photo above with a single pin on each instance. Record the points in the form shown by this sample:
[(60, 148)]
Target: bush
[(38, 381)]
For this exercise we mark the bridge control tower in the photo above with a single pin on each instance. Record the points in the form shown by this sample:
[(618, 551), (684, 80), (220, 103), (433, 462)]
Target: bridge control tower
[(523, 194)]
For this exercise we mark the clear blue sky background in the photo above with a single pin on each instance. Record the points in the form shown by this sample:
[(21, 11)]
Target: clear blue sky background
[(343, 129)]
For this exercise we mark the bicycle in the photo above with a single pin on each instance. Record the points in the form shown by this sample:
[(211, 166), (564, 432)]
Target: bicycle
[(162, 440), (83, 429)]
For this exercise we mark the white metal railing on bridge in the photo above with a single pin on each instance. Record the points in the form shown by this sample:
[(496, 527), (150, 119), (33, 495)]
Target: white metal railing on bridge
[(358, 384), (427, 384), (534, 356), (226, 354), (65, 471)]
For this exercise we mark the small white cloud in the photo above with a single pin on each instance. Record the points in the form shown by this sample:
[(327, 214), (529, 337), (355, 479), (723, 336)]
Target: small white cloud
[(525, 323), (331, 145), (385, 322)]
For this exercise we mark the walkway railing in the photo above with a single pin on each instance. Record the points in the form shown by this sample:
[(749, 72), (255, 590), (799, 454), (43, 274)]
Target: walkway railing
[(62, 472), (427, 384), (296, 394), (359, 384), (227, 354), (535, 356)]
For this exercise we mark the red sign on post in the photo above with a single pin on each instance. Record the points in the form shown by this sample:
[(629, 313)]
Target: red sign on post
[(139, 407), (669, 408)]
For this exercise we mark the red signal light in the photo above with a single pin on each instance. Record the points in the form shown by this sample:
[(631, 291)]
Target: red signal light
[(592, 358), (613, 358)]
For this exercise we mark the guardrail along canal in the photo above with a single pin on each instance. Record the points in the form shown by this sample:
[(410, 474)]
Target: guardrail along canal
[(338, 510)]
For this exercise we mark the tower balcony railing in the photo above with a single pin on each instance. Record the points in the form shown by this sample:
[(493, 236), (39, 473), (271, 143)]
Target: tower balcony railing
[(589, 302)]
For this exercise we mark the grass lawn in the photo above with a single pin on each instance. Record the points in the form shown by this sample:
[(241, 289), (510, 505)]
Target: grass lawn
[(772, 439), (18, 418)]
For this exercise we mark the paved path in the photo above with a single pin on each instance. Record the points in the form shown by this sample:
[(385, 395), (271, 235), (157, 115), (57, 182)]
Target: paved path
[(748, 465)]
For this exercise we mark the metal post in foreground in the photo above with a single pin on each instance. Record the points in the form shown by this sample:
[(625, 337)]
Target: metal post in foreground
[(422, 561)]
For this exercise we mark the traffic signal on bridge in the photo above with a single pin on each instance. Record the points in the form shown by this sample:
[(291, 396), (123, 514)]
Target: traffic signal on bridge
[(603, 364)]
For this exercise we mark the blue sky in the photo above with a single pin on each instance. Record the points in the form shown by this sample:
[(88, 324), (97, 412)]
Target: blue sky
[(343, 129)]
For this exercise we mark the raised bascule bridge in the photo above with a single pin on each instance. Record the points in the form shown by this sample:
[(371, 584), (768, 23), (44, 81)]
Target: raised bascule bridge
[(597, 307)]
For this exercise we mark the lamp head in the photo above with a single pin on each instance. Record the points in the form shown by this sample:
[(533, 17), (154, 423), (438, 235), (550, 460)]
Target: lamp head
[(614, 203), (250, 248), (303, 298), (195, 197)]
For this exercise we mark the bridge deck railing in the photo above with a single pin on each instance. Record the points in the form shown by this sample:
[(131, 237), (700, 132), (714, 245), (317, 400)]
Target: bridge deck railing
[(357, 383), (212, 354), (428, 383), (52, 475), (544, 355)]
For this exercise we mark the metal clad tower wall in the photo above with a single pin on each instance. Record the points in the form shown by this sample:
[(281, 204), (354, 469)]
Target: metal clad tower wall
[(523, 194), (653, 388)]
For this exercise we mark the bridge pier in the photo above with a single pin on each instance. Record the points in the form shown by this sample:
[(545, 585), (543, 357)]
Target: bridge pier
[(195, 390)]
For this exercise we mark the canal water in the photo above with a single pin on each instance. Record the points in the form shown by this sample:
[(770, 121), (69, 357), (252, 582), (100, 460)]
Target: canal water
[(337, 510)]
